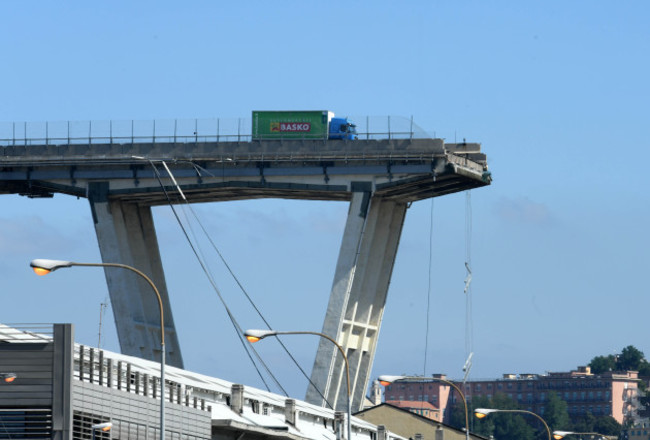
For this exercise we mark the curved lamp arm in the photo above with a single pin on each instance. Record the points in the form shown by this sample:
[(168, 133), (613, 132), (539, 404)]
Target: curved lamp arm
[(43, 267), (482, 412)]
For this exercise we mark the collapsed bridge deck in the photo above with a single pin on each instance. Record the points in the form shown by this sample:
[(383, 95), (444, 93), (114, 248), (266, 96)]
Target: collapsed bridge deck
[(400, 169)]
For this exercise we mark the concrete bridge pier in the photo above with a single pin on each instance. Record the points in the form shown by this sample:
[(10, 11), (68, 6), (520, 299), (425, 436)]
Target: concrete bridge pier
[(358, 296), (126, 235)]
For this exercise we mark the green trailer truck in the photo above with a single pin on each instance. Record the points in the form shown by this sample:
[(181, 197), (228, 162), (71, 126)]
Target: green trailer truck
[(319, 124)]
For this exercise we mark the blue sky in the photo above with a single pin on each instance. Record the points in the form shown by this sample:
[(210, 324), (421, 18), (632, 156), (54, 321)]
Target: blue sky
[(556, 92)]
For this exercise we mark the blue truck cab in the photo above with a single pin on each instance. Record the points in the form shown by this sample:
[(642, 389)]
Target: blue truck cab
[(341, 128)]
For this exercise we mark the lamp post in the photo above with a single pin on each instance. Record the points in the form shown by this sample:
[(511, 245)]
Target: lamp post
[(8, 377), (483, 412), (558, 435), (101, 427), (386, 380), (256, 335), (43, 267)]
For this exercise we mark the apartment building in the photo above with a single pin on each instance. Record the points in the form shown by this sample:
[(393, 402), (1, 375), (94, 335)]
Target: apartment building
[(607, 394)]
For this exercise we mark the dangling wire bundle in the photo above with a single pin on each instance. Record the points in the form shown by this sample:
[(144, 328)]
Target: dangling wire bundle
[(469, 330)]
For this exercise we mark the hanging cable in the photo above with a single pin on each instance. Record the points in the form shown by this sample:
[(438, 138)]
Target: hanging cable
[(469, 323), (247, 347), (102, 309), (198, 170), (201, 257), (428, 314), (250, 300), (469, 330)]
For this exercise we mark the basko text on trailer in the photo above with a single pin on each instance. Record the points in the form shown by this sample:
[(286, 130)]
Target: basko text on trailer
[(320, 124)]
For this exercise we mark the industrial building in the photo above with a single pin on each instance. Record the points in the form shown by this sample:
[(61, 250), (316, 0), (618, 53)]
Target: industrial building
[(62, 389)]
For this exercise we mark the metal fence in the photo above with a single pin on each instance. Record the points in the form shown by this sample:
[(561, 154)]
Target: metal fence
[(178, 131)]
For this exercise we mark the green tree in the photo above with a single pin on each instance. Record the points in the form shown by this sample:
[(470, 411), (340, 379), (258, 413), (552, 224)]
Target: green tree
[(584, 423), (556, 413), (607, 425), (483, 426), (601, 364), (644, 369), (512, 427), (631, 358), (457, 415), (503, 426)]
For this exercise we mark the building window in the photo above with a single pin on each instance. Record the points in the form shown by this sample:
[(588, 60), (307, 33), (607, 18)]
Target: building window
[(489, 386), (255, 406)]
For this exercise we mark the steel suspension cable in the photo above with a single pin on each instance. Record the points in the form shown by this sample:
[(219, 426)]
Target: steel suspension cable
[(469, 325), (198, 170), (225, 263), (238, 329), (428, 313)]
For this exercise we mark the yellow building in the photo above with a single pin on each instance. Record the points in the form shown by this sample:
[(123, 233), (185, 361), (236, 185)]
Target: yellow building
[(410, 425)]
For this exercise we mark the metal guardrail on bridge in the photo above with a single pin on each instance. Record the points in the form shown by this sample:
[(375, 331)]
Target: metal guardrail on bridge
[(177, 131)]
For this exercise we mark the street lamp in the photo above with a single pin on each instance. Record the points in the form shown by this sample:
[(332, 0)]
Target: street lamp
[(558, 435), (8, 377), (43, 267), (256, 335), (101, 427), (483, 412), (386, 380)]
